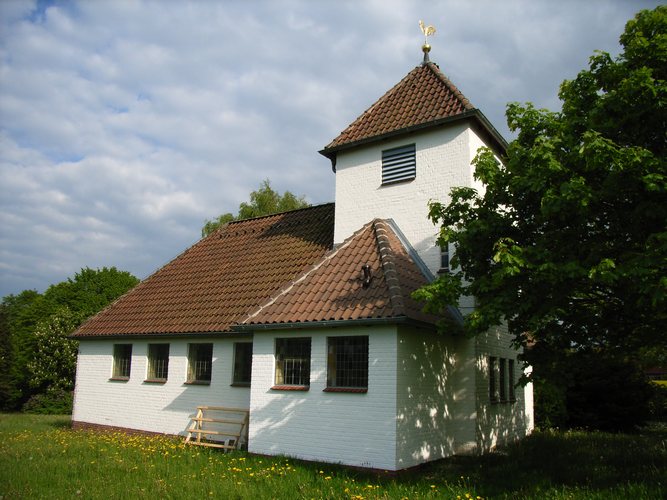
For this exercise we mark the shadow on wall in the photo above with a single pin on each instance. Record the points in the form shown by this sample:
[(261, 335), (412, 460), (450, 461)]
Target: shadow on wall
[(219, 393), (501, 422), (435, 400)]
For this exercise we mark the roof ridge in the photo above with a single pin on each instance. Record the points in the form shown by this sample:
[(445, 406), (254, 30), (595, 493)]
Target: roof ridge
[(389, 266), (309, 207), (450, 85), (301, 277), (423, 98), (377, 103)]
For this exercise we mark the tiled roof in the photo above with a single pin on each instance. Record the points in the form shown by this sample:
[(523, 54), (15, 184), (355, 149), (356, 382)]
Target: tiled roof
[(218, 281), (333, 290), (424, 96)]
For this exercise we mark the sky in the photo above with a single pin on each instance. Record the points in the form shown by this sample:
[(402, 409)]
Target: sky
[(125, 125)]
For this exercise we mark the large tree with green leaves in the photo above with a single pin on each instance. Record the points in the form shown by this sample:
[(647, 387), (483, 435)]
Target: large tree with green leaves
[(264, 201), (36, 354), (568, 241)]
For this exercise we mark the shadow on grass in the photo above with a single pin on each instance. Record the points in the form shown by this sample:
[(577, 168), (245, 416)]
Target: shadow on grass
[(556, 460)]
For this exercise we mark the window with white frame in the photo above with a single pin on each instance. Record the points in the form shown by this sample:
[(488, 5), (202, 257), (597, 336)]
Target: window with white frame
[(399, 164), (158, 362), (293, 362), (347, 362), (200, 363), (122, 361), (242, 363)]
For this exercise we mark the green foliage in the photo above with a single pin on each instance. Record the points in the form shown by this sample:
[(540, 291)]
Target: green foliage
[(34, 351), (55, 401), (658, 403), (606, 394), (568, 241), (53, 364), (264, 201)]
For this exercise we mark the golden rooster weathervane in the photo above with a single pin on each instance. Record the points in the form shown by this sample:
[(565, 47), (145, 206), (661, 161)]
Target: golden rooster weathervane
[(428, 31)]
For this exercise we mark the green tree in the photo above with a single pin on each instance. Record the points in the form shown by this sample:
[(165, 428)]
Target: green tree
[(264, 201), (29, 318), (568, 241), (54, 359)]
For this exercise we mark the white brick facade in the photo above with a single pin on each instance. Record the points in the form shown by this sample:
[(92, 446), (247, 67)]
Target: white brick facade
[(135, 404), (443, 157), (348, 428), (503, 421)]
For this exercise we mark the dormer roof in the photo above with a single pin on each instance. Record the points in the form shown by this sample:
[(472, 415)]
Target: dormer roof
[(370, 276), (425, 97)]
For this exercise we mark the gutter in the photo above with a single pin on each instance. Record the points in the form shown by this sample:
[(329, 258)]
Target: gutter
[(336, 323), (227, 333)]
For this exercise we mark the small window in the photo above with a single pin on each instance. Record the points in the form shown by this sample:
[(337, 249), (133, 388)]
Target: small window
[(158, 362), (242, 363), (503, 379), (510, 378), (122, 361), (347, 362), (444, 259), (399, 164), (200, 362), (493, 390), (293, 362)]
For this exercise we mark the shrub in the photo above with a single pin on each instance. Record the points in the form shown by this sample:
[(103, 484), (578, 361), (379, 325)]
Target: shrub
[(54, 401), (658, 403), (607, 394)]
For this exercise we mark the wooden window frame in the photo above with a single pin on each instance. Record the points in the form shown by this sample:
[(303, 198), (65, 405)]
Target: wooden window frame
[(493, 386), (512, 380), (122, 362), (158, 363), (292, 363), (242, 373), (347, 364), (200, 363), (502, 380)]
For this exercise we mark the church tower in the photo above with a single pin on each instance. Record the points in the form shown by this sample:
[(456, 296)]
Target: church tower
[(411, 146)]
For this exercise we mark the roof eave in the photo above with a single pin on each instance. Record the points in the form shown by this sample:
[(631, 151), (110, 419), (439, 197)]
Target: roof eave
[(337, 323), (112, 336), (499, 144)]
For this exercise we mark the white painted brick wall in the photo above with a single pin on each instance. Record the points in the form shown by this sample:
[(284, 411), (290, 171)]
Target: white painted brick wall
[(353, 429), (499, 423), (151, 407), (435, 399), (443, 160)]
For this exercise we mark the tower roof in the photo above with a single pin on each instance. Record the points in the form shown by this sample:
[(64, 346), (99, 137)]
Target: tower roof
[(425, 97)]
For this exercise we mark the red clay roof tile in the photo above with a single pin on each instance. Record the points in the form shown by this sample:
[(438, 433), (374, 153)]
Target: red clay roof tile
[(424, 96), (334, 289), (219, 280)]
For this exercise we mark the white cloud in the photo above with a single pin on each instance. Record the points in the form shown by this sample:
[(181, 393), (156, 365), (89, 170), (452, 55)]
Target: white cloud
[(124, 125)]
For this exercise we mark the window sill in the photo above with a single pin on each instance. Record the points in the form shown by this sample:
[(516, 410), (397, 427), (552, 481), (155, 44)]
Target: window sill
[(155, 381), (290, 388), (197, 382), (239, 384), (354, 390), (119, 379)]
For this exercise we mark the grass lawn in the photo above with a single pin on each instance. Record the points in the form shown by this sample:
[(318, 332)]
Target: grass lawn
[(40, 457)]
